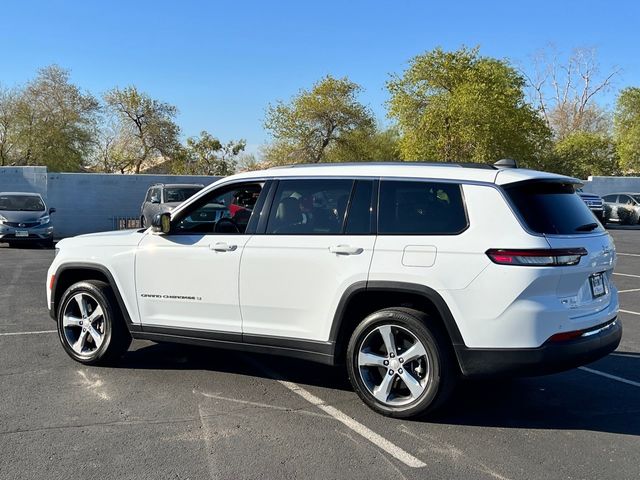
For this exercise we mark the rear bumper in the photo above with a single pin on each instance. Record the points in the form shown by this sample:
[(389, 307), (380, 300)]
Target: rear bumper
[(551, 357)]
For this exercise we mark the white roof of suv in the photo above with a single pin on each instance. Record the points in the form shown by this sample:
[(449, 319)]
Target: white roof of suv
[(480, 173)]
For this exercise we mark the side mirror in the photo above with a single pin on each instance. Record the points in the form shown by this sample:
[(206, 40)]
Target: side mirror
[(155, 199), (52, 210), (161, 223)]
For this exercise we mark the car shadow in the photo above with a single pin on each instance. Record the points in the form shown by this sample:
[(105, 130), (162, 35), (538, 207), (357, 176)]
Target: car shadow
[(168, 356), (573, 400)]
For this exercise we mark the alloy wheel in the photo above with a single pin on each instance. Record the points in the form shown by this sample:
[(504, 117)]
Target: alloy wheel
[(83, 324), (393, 365)]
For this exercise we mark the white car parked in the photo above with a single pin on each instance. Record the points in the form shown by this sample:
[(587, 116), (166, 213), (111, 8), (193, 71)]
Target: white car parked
[(412, 274)]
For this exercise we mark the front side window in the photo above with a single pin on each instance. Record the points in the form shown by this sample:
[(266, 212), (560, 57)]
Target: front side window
[(223, 211), (155, 195), (21, 203), (310, 207), (420, 208), (610, 198)]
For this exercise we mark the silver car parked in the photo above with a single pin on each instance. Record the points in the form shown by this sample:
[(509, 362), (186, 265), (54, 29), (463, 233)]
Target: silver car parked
[(24, 218), (163, 197), (626, 200)]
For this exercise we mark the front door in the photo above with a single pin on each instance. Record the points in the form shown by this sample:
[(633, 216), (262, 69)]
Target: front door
[(188, 278)]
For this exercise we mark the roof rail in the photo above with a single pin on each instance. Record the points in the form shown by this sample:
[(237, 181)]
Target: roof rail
[(429, 164)]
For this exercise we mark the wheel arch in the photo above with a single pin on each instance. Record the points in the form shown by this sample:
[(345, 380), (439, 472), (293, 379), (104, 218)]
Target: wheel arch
[(68, 274), (364, 298)]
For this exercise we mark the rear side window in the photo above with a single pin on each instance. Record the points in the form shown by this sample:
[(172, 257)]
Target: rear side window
[(552, 208), (421, 208), (360, 217), (309, 207), (610, 198)]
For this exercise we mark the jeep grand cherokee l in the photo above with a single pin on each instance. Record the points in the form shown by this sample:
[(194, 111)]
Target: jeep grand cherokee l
[(414, 275)]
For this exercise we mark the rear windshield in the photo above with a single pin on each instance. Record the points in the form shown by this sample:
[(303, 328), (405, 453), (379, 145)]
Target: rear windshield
[(553, 208), (179, 194)]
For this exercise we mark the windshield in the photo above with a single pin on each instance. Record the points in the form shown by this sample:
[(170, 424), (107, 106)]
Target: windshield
[(179, 194), (552, 208), (24, 203)]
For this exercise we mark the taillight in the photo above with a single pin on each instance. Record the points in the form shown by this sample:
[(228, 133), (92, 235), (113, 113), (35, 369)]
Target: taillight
[(543, 257)]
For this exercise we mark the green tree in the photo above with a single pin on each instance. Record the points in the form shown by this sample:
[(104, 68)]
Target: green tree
[(581, 154), (50, 122), (8, 126), (150, 122), (459, 106), (627, 129), (306, 127), (366, 145), (206, 155)]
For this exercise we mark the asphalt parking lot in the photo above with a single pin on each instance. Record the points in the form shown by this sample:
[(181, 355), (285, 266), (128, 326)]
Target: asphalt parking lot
[(177, 412)]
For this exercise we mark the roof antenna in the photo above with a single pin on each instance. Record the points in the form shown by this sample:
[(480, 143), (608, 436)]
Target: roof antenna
[(506, 163)]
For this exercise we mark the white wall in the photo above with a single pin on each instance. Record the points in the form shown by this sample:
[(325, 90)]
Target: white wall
[(87, 202), (604, 185)]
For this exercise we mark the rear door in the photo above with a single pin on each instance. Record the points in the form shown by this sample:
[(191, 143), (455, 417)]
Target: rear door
[(316, 242), (553, 209)]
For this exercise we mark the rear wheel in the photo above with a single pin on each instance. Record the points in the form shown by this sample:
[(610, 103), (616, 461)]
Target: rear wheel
[(400, 363), (90, 324)]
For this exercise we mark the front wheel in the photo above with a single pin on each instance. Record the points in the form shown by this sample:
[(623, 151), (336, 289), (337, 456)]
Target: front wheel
[(400, 363), (90, 324), (143, 222)]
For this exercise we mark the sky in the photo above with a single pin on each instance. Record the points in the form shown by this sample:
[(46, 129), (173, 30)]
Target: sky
[(222, 62)]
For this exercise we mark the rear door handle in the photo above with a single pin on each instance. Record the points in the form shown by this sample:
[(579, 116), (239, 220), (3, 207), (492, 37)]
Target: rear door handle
[(222, 247), (346, 250)]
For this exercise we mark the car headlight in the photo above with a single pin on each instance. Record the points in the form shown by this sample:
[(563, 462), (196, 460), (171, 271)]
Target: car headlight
[(44, 220), (2, 220)]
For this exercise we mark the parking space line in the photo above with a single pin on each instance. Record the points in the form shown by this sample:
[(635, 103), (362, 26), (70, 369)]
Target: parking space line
[(629, 311), (626, 275), (27, 333), (356, 426), (612, 377), (629, 254), (630, 290), (393, 450)]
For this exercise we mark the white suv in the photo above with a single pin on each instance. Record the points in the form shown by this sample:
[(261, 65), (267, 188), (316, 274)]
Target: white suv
[(414, 275)]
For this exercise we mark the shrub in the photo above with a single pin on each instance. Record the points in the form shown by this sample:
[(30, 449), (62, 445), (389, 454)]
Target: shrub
[(606, 214), (627, 216)]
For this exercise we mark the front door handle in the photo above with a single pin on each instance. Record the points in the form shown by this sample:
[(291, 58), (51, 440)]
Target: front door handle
[(222, 247), (346, 250)]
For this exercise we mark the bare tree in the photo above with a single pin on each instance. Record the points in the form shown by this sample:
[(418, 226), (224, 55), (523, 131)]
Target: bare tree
[(565, 91), (150, 122)]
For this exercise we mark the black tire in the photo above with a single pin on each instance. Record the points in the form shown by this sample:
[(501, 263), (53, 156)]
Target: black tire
[(443, 369), (116, 336), (143, 222)]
